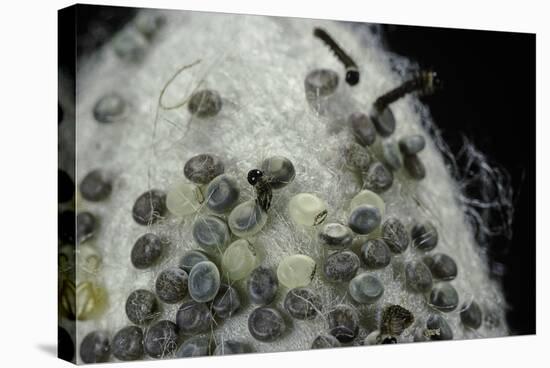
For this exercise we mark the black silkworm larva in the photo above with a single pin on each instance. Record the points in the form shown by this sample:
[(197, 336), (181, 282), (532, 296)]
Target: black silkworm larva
[(426, 82), (264, 193), (352, 71)]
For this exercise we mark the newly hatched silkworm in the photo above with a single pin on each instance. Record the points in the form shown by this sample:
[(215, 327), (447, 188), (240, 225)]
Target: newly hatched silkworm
[(425, 82), (352, 71), (264, 192)]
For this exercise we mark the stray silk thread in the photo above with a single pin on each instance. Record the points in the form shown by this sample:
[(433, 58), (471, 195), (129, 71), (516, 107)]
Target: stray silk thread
[(167, 84)]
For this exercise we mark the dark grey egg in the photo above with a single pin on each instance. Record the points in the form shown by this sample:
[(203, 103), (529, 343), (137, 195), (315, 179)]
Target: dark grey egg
[(325, 342), (149, 207), (444, 297), (378, 178), (362, 129), (96, 186), (211, 233), (279, 171), (128, 344), (161, 340), (442, 266), (471, 315), (191, 258), (302, 303), (320, 83), (437, 328), (141, 307), (204, 281), (262, 285), (375, 254), (424, 236), (222, 194), (414, 166), (391, 155), (203, 168), (395, 235), (364, 219), (95, 347), (205, 103), (171, 285), (357, 157), (418, 277), (335, 236), (109, 108), (227, 302), (343, 323), (412, 144), (266, 324), (365, 288), (384, 121), (146, 251), (193, 318), (341, 266), (195, 346), (86, 226)]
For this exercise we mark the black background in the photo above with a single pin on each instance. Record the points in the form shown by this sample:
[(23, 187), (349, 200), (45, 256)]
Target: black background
[(488, 96)]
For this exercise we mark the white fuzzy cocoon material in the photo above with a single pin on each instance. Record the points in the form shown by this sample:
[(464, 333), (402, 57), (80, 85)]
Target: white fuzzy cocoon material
[(258, 65)]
